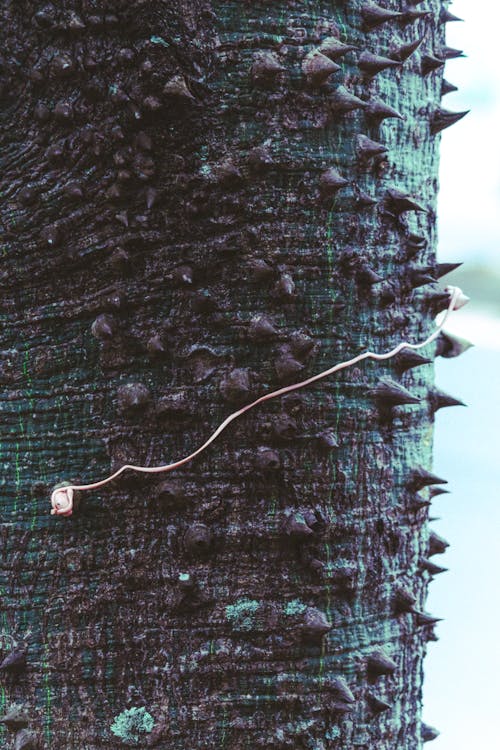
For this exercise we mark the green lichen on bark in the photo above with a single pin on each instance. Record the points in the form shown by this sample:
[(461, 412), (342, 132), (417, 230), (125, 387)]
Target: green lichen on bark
[(190, 220), (242, 614), (131, 725)]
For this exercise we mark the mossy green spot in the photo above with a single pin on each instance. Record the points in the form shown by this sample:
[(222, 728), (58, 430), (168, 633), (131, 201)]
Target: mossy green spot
[(131, 724), (295, 607), (241, 614), (159, 40), (333, 733)]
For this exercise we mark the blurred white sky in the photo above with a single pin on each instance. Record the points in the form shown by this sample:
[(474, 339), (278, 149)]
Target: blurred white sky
[(469, 200), (462, 671), (481, 329)]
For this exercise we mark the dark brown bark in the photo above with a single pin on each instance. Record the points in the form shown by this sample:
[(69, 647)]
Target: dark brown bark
[(199, 206)]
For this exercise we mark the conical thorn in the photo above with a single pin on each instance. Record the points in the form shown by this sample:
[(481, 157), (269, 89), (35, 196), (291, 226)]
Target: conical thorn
[(374, 15), (447, 87), (444, 118), (435, 491), (431, 63), (421, 478), (389, 393), (398, 202), (407, 358), (377, 705), (449, 345), (443, 268), (440, 399), (377, 111), (450, 53), (334, 48), (330, 181), (447, 17), (372, 64), (437, 544), (428, 733), (431, 567), (368, 149), (380, 663), (318, 68), (405, 51), (342, 101), (422, 619)]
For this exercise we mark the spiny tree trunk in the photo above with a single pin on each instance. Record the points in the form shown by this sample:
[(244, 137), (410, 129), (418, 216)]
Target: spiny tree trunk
[(198, 207)]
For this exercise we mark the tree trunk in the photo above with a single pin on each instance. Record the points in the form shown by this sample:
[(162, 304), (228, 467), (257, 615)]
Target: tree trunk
[(198, 207)]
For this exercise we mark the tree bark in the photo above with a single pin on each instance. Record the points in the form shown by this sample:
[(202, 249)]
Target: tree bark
[(199, 207)]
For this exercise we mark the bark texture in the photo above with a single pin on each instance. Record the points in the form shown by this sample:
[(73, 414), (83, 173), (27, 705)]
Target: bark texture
[(198, 206)]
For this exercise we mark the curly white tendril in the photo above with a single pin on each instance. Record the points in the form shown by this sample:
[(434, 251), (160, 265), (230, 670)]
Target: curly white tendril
[(62, 497)]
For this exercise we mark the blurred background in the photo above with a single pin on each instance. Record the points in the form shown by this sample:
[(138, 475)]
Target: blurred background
[(462, 670)]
